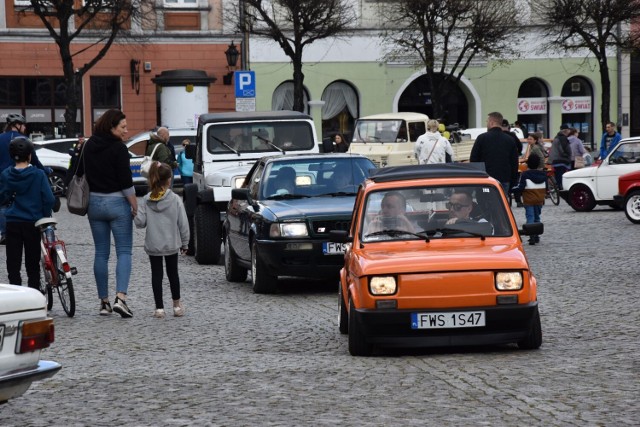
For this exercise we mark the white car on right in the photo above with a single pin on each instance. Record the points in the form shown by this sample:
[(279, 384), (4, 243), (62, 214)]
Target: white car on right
[(585, 188)]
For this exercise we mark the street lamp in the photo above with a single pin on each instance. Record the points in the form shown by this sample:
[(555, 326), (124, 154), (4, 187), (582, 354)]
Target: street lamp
[(232, 54)]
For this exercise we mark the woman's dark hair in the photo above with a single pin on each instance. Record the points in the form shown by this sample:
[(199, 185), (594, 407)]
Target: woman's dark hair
[(108, 121), (159, 174)]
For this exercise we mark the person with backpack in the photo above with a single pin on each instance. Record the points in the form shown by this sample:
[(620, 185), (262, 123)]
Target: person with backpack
[(432, 147)]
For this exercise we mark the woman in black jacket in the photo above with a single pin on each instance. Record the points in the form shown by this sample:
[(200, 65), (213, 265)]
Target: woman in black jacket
[(112, 206)]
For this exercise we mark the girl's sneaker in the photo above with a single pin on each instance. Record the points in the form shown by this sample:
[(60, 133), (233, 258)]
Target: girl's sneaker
[(159, 313), (120, 307), (178, 310)]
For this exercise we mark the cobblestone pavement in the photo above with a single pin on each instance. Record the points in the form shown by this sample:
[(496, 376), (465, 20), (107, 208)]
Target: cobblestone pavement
[(241, 359)]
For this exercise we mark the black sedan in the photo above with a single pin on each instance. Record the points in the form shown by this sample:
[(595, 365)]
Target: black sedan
[(278, 223)]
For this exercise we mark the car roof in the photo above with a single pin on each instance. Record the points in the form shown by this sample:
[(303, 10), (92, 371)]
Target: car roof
[(442, 170), (145, 134), (250, 116), (312, 156)]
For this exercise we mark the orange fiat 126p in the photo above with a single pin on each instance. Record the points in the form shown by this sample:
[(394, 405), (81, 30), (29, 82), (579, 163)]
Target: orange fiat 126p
[(434, 258)]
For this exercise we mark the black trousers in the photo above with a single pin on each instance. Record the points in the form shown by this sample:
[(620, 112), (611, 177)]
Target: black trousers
[(23, 235), (157, 275)]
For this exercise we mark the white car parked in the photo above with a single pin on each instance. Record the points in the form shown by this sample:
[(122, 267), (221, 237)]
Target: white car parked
[(585, 188), (25, 330), (58, 162)]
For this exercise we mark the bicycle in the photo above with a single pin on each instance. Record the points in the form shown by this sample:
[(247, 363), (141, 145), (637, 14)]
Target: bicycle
[(553, 192), (55, 267)]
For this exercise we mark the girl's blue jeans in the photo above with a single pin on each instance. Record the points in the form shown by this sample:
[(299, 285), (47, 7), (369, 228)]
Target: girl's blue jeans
[(111, 215), (532, 213)]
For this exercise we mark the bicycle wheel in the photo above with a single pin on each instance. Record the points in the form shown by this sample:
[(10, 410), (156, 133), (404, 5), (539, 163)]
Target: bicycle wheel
[(554, 194), (65, 286), (45, 288)]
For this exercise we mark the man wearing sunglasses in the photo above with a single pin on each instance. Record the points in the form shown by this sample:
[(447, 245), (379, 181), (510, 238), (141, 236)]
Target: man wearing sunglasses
[(460, 206)]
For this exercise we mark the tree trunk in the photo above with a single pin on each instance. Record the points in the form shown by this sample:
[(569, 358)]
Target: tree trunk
[(298, 82), (72, 80), (606, 92)]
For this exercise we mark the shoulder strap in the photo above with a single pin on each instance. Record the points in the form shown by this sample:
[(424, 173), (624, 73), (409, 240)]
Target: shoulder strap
[(154, 150), (81, 159), (432, 148)]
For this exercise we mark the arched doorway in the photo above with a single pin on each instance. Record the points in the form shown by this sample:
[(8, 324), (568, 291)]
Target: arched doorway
[(417, 98), (340, 109), (533, 106), (576, 107), (282, 98)]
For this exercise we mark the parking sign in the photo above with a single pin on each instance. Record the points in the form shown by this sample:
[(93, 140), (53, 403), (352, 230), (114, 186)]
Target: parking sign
[(245, 84)]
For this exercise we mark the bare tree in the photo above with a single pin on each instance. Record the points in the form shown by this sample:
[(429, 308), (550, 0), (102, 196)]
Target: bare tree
[(294, 25), (101, 20), (596, 26), (445, 36)]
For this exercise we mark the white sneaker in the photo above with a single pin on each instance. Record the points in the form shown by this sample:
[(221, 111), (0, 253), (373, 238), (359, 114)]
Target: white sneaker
[(178, 310), (159, 313)]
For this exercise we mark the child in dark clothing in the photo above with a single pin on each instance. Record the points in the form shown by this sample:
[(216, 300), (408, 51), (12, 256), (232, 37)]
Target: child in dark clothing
[(27, 188), (533, 187)]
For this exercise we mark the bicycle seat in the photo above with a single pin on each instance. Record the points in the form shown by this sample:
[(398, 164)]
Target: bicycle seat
[(45, 221)]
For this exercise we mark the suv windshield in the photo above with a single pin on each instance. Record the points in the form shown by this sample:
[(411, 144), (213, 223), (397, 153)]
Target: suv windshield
[(259, 137), (474, 211)]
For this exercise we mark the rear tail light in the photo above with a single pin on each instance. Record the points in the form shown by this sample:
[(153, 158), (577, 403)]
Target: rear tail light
[(35, 335)]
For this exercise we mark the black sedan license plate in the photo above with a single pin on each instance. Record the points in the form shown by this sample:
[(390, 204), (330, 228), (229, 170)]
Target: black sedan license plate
[(333, 248), (457, 319)]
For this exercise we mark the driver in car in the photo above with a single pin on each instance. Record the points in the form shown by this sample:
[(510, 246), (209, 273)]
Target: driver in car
[(392, 215), (460, 206)]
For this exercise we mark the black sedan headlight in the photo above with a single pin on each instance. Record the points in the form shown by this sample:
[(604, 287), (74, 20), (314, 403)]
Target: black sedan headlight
[(292, 230)]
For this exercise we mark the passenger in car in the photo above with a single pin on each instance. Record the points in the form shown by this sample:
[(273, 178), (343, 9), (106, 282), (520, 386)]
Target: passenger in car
[(284, 182), (460, 206), (392, 215)]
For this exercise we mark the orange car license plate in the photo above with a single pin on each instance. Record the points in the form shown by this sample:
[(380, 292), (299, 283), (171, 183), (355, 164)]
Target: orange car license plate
[(456, 319)]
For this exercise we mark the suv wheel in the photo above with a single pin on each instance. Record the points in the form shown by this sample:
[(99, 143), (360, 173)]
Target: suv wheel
[(207, 234), (263, 283)]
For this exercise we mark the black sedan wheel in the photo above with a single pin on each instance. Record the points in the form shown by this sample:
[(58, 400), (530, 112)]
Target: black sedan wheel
[(581, 198), (262, 282), (207, 234), (232, 271), (632, 206)]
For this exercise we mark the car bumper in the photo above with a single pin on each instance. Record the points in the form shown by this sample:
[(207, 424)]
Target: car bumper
[(16, 383), (285, 258), (392, 328)]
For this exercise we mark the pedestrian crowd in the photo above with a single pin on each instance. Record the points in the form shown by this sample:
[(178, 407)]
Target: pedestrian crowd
[(103, 159)]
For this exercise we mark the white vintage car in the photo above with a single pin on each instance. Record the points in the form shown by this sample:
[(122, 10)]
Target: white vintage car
[(25, 330), (585, 188)]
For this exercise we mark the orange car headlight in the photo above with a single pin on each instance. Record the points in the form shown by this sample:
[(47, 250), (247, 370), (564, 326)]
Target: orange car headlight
[(509, 281), (383, 285)]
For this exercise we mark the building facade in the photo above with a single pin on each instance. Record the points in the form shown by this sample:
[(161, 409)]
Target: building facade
[(345, 78)]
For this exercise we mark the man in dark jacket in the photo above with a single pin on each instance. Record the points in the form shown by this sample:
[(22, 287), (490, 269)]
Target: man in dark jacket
[(498, 152), (560, 155)]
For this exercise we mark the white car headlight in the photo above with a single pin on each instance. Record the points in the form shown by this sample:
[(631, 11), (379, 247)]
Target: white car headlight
[(509, 281), (289, 229), (383, 285)]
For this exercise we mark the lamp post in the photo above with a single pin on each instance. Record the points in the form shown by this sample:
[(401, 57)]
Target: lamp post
[(232, 54)]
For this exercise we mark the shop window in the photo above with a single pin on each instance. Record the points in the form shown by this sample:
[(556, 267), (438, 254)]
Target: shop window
[(339, 110), (10, 92), (282, 98), (105, 95)]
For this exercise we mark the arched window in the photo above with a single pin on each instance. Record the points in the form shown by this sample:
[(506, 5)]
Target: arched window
[(282, 98), (577, 107), (340, 109), (533, 106)]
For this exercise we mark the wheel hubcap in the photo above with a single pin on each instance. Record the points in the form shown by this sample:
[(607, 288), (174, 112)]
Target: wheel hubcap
[(633, 207)]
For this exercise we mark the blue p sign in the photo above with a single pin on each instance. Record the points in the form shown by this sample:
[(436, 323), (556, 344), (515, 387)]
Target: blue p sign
[(245, 84)]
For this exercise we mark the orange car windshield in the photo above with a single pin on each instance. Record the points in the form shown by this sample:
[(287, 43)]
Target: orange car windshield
[(435, 212)]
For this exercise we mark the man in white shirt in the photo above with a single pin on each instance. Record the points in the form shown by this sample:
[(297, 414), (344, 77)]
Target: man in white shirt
[(431, 147)]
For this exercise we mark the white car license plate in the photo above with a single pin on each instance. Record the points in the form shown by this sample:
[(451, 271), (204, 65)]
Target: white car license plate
[(454, 319), (333, 248)]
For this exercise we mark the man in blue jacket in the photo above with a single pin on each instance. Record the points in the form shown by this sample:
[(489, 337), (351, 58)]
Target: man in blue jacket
[(609, 140)]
